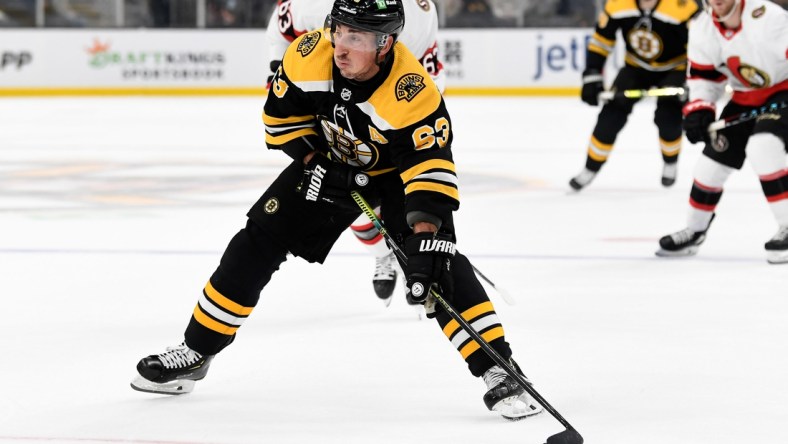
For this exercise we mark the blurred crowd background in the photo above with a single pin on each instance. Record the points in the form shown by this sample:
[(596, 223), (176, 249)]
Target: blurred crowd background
[(255, 13)]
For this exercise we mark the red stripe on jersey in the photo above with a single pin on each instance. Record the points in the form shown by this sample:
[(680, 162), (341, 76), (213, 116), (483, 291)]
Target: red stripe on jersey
[(701, 66), (707, 188), (758, 97), (779, 197), (773, 176)]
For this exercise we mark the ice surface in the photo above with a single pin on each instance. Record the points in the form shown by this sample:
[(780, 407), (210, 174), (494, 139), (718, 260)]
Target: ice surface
[(114, 213)]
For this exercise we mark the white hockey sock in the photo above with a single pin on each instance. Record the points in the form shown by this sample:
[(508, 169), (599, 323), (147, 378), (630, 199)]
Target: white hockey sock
[(368, 235), (766, 153)]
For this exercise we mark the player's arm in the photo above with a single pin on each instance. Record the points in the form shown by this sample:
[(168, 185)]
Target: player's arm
[(289, 124), (423, 155), (706, 84), (599, 47), (422, 152)]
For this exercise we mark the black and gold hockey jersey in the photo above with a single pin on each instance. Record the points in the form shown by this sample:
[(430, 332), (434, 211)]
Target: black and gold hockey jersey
[(655, 40), (394, 123)]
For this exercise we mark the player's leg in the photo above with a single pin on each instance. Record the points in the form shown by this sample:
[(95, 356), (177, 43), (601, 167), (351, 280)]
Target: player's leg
[(718, 161), (280, 222), (668, 117), (766, 151), (384, 279), (504, 395), (228, 298), (612, 118)]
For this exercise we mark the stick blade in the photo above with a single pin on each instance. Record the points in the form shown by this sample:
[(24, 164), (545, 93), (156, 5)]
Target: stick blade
[(568, 436)]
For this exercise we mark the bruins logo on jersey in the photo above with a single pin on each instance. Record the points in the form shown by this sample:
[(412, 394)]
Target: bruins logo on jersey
[(408, 86), (308, 43), (347, 148), (646, 44)]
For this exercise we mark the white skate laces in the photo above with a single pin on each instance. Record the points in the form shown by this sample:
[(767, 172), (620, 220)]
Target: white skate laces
[(506, 397), (683, 236), (179, 356), (384, 268)]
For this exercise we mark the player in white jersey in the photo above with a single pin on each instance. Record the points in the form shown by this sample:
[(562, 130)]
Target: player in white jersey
[(290, 19), (744, 44)]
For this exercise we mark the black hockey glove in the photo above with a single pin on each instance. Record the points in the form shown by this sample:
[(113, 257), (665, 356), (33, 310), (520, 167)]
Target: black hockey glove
[(429, 262), (698, 115), (592, 86), (331, 182)]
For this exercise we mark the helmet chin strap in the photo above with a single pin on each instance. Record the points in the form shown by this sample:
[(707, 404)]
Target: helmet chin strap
[(734, 9)]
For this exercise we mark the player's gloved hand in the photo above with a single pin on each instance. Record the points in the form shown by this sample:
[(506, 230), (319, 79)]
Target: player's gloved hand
[(698, 115), (429, 263), (331, 182), (592, 86)]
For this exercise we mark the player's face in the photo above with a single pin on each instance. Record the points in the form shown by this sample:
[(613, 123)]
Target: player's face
[(355, 53), (722, 7)]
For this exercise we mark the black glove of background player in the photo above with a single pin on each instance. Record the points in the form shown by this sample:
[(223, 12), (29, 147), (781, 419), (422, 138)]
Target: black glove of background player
[(331, 182), (592, 86), (429, 262)]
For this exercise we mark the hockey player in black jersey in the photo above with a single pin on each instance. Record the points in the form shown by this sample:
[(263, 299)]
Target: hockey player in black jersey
[(355, 111), (655, 35)]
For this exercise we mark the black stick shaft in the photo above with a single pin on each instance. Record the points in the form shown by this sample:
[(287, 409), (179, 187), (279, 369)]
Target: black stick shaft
[(494, 355)]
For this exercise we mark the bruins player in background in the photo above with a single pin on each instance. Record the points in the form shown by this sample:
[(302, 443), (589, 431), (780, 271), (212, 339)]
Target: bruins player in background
[(355, 110), (655, 34)]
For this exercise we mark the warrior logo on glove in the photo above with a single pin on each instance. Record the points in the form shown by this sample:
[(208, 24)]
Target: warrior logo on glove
[(429, 263)]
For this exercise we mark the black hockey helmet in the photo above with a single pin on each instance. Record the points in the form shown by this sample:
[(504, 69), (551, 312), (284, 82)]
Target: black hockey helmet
[(382, 17)]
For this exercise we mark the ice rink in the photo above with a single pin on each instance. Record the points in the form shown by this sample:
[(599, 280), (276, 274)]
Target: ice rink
[(114, 213)]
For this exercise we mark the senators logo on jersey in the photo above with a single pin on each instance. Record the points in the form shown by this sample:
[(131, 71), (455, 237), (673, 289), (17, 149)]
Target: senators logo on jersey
[(308, 43), (408, 86)]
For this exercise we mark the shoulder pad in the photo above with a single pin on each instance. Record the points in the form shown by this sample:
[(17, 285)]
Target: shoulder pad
[(407, 96), (622, 8), (676, 11), (308, 59)]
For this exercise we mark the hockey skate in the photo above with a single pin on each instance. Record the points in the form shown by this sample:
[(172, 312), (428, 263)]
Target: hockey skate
[(172, 372), (385, 278), (582, 179), (777, 247), (682, 243), (669, 171), (506, 397)]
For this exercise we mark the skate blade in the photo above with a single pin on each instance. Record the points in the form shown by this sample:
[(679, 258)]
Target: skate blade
[(176, 387), (689, 251), (512, 409), (777, 257)]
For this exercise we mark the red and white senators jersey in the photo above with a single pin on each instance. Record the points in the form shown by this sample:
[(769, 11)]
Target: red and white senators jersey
[(753, 59), (291, 18)]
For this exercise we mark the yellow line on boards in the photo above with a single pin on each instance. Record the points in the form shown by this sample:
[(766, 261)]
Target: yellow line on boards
[(525, 91), (450, 91)]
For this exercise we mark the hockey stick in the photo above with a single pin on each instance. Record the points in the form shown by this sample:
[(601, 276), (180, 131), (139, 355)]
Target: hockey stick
[(504, 294), (568, 436), (667, 91), (745, 116)]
